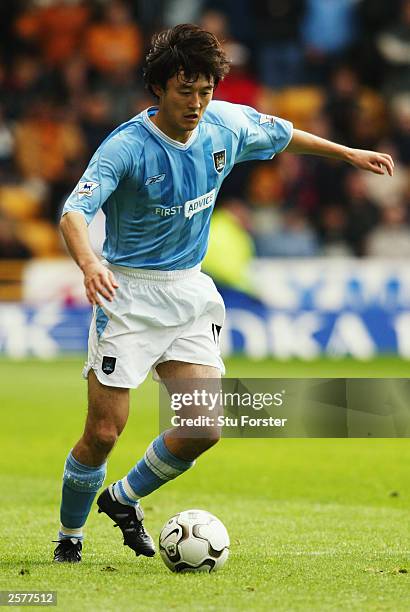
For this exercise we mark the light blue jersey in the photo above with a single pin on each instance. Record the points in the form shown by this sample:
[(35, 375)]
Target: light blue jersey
[(158, 194)]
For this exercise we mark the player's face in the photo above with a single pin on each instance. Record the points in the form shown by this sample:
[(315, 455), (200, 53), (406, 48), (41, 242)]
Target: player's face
[(182, 104)]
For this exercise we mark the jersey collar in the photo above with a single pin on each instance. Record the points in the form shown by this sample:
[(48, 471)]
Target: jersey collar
[(182, 146)]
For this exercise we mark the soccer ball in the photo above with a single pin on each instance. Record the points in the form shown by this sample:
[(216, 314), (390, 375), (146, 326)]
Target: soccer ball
[(194, 541)]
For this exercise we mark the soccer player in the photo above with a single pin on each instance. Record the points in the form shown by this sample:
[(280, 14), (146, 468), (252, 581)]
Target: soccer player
[(156, 178)]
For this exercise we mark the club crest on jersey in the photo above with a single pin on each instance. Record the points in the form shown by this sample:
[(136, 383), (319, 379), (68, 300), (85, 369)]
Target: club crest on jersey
[(158, 178), (85, 188), (219, 160), (266, 119)]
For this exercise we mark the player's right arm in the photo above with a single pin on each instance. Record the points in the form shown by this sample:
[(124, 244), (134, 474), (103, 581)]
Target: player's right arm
[(109, 165), (98, 280)]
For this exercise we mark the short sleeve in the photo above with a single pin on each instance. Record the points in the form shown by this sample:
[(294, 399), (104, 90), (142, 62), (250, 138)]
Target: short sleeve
[(110, 164), (261, 136)]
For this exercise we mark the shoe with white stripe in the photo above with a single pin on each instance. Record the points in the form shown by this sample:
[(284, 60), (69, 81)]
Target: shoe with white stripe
[(129, 520)]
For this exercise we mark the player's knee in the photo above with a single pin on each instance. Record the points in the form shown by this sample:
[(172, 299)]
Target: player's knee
[(103, 438), (214, 435), (213, 439), (209, 437)]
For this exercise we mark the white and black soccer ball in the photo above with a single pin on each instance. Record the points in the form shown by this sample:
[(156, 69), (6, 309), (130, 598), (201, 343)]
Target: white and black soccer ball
[(194, 541)]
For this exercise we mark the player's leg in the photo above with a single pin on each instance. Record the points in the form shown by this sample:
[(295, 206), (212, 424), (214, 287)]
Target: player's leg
[(170, 454), (167, 457), (177, 376), (108, 409), (85, 466)]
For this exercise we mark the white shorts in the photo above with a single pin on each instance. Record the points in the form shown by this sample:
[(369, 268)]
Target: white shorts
[(155, 316)]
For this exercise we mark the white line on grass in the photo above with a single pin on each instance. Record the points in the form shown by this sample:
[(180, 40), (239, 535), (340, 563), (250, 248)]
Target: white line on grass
[(312, 553)]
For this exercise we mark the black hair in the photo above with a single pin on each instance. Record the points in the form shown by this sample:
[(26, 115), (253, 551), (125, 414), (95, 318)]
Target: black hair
[(185, 48)]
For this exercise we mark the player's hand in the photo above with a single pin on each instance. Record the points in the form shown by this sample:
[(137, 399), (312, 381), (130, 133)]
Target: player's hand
[(99, 281), (371, 161)]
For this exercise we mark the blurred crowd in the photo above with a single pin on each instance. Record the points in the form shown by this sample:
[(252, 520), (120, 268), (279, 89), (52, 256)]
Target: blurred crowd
[(71, 71)]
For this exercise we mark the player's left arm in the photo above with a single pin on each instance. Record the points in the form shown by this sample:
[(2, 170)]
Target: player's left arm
[(304, 142)]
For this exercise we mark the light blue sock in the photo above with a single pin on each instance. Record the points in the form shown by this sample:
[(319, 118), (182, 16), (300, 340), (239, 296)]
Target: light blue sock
[(80, 485), (157, 467)]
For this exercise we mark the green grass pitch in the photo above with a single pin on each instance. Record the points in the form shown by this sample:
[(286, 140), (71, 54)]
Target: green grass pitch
[(314, 524)]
